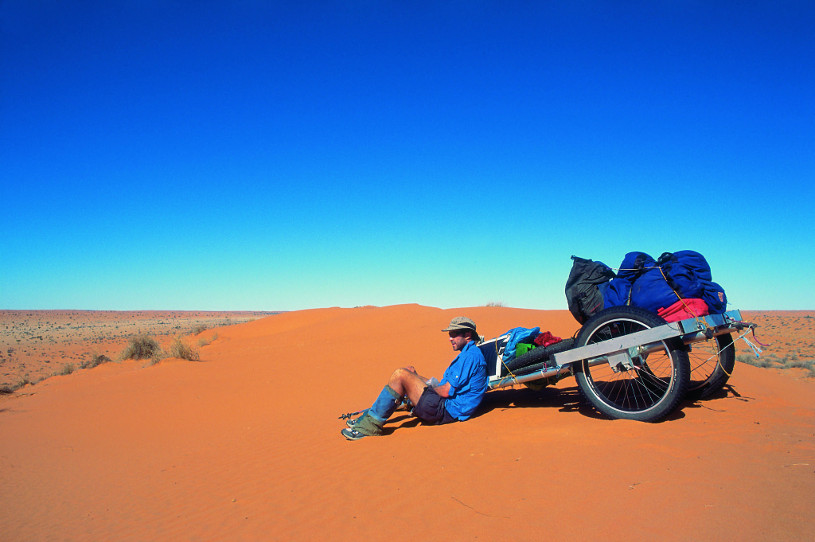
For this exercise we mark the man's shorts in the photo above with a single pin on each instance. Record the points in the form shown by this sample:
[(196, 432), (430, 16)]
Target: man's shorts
[(430, 408)]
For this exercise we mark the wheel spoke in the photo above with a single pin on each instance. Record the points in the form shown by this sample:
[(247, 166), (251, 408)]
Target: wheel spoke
[(649, 385), (711, 363), (630, 390)]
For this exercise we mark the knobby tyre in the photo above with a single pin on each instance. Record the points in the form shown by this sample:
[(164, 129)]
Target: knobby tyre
[(711, 364), (539, 355), (651, 388)]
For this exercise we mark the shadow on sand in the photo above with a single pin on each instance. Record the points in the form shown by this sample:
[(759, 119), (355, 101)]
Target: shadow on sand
[(564, 399)]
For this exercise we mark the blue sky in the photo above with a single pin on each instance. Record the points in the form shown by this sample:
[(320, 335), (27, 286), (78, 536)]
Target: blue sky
[(215, 155)]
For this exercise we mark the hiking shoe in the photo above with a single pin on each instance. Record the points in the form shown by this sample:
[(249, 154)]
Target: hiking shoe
[(365, 425), (352, 434), (351, 422)]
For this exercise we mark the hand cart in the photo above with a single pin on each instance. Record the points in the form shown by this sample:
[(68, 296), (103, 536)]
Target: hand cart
[(628, 362)]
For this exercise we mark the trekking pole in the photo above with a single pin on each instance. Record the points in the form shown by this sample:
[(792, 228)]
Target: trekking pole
[(351, 414)]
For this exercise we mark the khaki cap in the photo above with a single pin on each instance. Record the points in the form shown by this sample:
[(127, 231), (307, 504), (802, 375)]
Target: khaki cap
[(461, 323)]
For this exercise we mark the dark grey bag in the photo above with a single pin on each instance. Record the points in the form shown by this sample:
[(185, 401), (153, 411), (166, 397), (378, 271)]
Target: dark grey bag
[(584, 289)]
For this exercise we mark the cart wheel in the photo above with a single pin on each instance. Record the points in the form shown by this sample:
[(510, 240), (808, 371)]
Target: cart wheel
[(711, 364), (647, 392)]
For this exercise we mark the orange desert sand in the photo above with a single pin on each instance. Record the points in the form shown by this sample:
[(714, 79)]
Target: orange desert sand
[(246, 445)]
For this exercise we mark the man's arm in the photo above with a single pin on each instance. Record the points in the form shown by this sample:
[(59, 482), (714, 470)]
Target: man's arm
[(443, 390)]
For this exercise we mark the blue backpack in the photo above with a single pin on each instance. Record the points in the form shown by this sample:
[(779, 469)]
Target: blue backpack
[(654, 284), (688, 273)]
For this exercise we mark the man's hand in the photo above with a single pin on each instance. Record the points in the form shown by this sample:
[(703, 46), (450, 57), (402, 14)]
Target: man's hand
[(412, 369), (443, 390)]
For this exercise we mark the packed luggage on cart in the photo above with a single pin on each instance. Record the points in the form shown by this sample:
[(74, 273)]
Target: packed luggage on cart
[(654, 333)]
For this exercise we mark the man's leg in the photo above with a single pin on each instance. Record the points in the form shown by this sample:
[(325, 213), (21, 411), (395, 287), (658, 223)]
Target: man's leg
[(399, 382), (370, 423), (405, 382), (431, 408)]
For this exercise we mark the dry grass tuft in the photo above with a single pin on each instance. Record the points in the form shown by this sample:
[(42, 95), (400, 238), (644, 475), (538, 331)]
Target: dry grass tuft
[(8, 389), (771, 361), (142, 347), (95, 361), (178, 349), (203, 341), (199, 329)]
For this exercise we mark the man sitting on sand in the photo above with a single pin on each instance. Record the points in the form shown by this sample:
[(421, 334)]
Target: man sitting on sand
[(455, 398)]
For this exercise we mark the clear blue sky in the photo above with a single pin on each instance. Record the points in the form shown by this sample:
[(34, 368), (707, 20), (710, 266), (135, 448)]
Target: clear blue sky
[(287, 155)]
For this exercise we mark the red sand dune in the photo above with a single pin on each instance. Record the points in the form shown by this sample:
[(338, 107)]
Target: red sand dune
[(245, 445)]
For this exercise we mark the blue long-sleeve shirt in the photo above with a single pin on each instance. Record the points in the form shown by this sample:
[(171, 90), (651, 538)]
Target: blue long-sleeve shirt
[(467, 375)]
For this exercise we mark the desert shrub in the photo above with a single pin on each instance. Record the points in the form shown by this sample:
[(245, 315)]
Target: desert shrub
[(203, 341), (809, 365), (142, 347), (746, 358), (495, 304), (200, 328), (180, 350), (95, 361), (67, 369), (773, 361), (11, 388), (756, 362)]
